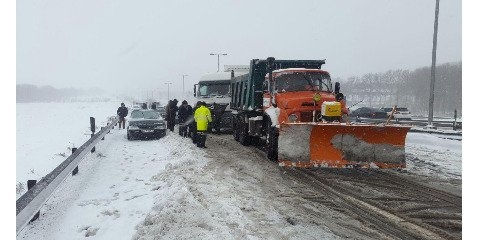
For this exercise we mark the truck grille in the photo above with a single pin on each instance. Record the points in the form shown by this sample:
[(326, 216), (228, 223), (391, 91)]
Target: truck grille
[(308, 116), (145, 126)]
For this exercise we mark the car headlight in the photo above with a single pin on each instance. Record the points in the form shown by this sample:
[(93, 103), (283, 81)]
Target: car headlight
[(160, 125), (133, 127), (292, 118)]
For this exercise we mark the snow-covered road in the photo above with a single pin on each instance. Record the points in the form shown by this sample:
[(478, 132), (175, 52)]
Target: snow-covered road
[(169, 189)]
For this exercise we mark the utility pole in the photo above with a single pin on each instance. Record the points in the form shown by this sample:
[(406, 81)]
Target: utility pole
[(218, 54), (168, 83), (183, 90), (433, 68)]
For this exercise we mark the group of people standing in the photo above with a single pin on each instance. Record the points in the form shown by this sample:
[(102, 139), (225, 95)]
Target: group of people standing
[(193, 122)]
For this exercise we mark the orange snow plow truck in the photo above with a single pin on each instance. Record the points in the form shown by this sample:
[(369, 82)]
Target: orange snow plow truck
[(291, 105)]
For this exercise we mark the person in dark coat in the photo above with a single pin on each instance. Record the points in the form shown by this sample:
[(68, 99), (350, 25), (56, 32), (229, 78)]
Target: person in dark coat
[(184, 112), (171, 114), (218, 111), (122, 112), (167, 116)]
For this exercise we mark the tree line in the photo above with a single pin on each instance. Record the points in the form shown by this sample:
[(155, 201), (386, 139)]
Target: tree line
[(410, 89)]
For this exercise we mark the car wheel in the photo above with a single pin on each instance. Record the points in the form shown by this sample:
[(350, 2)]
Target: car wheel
[(128, 136)]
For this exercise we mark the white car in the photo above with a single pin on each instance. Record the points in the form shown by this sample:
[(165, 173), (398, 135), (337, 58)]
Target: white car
[(401, 113)]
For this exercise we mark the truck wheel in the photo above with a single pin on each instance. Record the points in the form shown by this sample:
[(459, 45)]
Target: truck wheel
[(235, 130), (243, 137), (272, 134)]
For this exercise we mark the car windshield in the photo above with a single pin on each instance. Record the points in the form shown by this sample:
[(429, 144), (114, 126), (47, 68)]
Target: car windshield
[(402, 109), (302, 81), (145, 114), (211, 90)]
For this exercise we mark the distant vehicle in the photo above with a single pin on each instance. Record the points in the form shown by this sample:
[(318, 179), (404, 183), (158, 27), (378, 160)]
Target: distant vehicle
[(368, 112), (401, 113), (144, 124)]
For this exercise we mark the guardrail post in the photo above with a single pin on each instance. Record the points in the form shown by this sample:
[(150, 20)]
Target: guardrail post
[(75, 171), (92, 127), (93, 148), (30, 184), (454, 124)]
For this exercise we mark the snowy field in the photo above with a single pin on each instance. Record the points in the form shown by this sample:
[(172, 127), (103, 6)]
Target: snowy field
[(169, 189), (46, 132)]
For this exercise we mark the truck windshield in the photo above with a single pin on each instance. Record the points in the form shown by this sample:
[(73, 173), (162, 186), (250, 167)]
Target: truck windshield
[(212, 90), (303, 81)]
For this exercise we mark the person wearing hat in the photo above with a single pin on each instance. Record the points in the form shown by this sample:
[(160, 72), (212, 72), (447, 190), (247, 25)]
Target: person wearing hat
[(202, 118), (184, 113), (122, 112)]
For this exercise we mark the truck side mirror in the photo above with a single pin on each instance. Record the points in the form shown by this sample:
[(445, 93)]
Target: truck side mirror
[(336, 87), (194, 90), (339, 97)]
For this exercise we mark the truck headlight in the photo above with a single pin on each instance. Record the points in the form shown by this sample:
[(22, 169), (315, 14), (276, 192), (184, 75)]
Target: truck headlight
[(292, 118)]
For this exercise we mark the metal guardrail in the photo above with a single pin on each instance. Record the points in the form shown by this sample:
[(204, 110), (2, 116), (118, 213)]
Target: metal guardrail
[(30, 203), (414, 122)]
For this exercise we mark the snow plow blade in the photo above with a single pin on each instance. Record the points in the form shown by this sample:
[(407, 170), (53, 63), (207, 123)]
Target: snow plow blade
[(341, 145)]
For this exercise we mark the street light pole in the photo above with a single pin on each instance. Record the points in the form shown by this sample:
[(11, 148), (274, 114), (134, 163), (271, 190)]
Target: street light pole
[(168, 83), (433, 68), (218, 54), (183, 90)]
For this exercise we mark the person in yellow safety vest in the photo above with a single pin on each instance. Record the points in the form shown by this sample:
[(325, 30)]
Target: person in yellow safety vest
[(202, 118)]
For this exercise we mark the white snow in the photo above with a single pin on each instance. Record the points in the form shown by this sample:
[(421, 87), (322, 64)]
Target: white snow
[(434, 155), (46, 132), (166, 188)]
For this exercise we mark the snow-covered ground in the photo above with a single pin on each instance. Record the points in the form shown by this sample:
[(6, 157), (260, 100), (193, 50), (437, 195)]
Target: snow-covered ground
[(434, 155), (169, 189), (46, 132)]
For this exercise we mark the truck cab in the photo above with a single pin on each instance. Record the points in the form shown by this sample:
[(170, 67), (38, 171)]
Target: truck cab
[(303, 95), (215, 90)]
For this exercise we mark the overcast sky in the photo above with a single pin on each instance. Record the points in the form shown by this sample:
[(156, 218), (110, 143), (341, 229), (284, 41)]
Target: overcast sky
[(119, 45)]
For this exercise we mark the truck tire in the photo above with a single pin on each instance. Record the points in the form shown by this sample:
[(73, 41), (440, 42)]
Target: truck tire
[(243, 136), (272, 134), (235, 129)]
